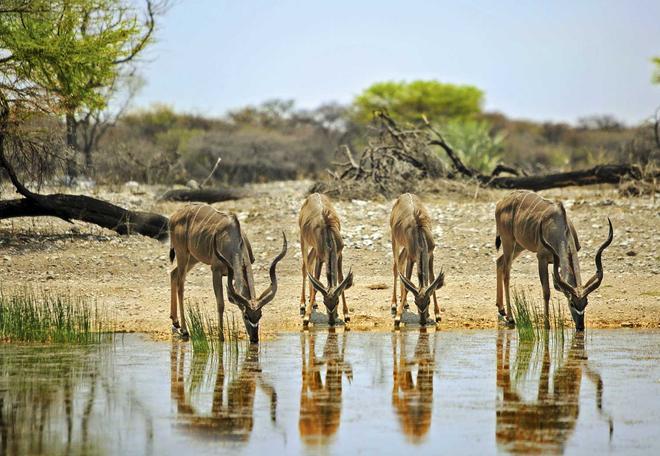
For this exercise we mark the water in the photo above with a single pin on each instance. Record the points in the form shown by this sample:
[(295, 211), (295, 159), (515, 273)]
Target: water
[(320, 392)]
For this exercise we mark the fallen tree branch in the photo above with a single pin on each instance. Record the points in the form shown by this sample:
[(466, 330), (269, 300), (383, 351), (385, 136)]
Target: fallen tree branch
[(90, 210), (601, 174), (204, 195)]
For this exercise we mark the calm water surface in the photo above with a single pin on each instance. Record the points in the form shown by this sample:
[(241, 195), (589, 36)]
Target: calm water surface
[(476, 392)]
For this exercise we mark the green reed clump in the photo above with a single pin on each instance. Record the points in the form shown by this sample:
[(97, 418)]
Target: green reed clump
[(205, 334), (530, 318), (27, 315)]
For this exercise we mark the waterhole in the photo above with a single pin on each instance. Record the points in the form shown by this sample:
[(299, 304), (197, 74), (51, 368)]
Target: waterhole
[(337, 392)]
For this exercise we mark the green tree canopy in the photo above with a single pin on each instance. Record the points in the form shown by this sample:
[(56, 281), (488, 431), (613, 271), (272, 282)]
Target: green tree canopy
[(409, 101), (70, 53), (656, 74)]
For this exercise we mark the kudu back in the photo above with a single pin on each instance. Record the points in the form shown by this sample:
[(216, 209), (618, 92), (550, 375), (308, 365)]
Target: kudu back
[(201, 234), (412, 244), (526, 221), (321, 243)]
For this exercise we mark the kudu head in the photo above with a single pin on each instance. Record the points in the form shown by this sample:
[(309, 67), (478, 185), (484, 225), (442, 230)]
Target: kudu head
[(331, 294), (423, 294), (333, 291), (250, 305), (577, 295)]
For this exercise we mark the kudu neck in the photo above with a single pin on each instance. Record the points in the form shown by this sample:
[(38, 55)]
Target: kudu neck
[(561, 239)]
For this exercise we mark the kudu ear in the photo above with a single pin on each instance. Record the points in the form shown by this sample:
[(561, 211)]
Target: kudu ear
[(409, 285), (318, 286), (595, 281)]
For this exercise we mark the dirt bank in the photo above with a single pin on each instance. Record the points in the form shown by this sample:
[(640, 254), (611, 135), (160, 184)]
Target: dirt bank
[(129, 275)]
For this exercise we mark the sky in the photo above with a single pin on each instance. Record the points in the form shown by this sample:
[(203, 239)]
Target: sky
[(538, 60)]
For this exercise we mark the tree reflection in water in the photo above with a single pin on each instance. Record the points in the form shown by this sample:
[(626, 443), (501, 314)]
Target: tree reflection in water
[(232, 386), (412, 397), (320, 401), (546, 423), (55, 401)]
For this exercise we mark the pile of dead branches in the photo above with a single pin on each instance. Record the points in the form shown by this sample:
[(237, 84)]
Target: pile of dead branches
[(395, 161), (399, 160)]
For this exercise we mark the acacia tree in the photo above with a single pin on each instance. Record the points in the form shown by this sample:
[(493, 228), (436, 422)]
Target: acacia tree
[(36, 80), (411, 101), (75, 51)]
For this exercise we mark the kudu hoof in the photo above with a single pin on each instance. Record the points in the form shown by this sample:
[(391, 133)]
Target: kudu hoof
[(510, 322), (438, 319), (184, 334), (393, 311), (305, 323), (302, 311), (397, 324), (315, 306), (347, 319)]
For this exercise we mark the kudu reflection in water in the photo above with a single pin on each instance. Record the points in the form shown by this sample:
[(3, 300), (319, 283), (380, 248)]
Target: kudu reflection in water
[(412, 398), (230, 419), (545, 424), (320, 401)]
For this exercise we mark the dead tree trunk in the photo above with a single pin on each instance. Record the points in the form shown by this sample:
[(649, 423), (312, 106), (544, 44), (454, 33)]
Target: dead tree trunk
[(601, 174)]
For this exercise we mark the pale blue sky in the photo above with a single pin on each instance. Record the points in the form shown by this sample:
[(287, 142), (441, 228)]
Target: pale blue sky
[(553, 60)]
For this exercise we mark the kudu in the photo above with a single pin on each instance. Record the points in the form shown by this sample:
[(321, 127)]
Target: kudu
[(321, 243), (201, 234), (545, 423), (526, 221), (412, 243)]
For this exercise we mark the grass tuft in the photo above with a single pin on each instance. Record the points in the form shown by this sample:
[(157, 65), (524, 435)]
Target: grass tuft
[(530, 318), (27, 315), (205, 334)]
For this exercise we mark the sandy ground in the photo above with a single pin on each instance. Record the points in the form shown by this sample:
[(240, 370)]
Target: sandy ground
[(129, 276)]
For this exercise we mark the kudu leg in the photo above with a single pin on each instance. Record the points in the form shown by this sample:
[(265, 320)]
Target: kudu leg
[(499, 300), (184, 264), (404, 294), (545, 284), (506, 276), (312, 293), (174, 278), (220, 301), (303, 250), (395, 274), (347, 317), (436, 308)]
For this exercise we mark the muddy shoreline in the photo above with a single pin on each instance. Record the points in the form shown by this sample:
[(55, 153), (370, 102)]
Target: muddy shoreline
[(129, 276)]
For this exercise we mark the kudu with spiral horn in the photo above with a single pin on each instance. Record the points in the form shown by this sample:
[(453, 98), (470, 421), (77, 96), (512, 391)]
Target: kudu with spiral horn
[(526, 221), (201, 234), (321, 243), (412, 243)]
